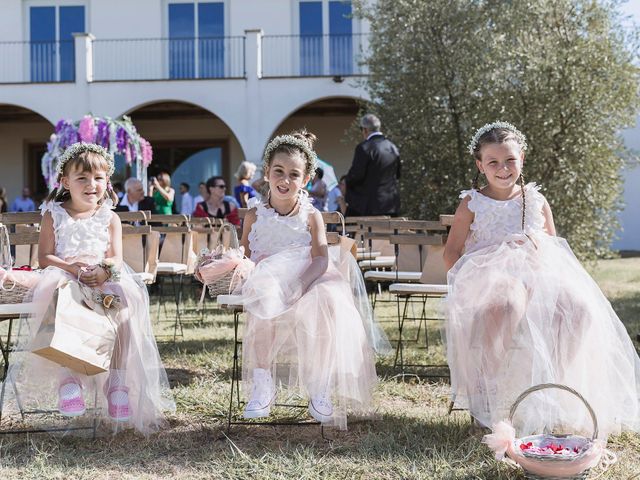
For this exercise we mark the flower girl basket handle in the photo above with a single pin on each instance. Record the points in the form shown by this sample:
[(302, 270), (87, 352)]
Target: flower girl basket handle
[(544, 386), (232, 236)]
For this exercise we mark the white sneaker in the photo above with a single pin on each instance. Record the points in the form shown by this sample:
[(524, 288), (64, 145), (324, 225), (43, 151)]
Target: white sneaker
[(321, 408), (262, 396)]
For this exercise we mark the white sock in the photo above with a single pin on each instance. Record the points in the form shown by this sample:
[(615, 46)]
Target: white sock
[(117, 379), (70, 391)]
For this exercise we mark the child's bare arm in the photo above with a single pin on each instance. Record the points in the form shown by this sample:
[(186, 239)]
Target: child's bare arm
[(458, 234), (47, 249), (249, 220), (319, 252), (549, 226)]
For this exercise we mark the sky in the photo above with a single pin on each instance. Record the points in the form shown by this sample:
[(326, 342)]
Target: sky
[(632, 8)]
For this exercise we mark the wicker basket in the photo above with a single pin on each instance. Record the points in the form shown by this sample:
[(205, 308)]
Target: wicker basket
[(225, 284), (583, 444)]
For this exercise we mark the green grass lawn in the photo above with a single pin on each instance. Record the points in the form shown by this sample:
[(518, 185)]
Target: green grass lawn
[(411, 436)]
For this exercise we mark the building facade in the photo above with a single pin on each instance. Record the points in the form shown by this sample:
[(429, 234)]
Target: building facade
[(206, 82)]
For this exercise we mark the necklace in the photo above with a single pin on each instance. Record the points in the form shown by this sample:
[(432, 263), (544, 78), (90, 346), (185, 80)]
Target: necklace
[(284, 214)]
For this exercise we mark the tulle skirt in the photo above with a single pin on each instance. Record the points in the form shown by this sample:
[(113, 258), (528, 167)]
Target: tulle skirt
[(33, 381), (325, 340), (524, 313)]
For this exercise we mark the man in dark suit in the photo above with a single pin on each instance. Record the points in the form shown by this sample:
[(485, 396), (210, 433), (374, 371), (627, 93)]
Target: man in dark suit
[(134, 199), (372, 181)]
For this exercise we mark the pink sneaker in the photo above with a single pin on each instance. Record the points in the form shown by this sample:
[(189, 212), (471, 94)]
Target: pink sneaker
[(118, 400), (70, 401)]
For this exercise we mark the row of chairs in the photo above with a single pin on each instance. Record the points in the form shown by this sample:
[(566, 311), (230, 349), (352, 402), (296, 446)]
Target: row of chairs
[(405, 258)]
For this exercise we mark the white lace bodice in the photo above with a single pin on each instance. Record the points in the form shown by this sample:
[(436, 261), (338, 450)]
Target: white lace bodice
[(272, 233), (80, 238), (496, 221)]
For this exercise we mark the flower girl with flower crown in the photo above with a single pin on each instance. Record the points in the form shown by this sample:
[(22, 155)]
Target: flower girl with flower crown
[(309, 324), (81, 241), (522, 311)]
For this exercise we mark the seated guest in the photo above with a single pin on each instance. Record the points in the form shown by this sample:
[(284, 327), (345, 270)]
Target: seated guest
[(134, 198), (216, 206)]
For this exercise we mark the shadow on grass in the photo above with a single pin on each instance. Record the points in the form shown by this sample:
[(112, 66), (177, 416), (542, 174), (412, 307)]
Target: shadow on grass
[(391, 439)]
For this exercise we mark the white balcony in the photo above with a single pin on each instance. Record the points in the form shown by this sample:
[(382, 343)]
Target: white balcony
[(198, 58)]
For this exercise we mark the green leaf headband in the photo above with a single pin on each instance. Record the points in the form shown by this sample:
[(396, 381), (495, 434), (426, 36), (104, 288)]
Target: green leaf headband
[(81, 147), (491, 126), (296, 142)]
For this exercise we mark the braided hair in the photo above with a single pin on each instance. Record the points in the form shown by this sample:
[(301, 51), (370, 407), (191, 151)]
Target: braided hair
[(499, 135)]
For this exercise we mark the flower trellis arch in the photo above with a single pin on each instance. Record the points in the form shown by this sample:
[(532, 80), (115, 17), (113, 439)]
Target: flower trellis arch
[(117, 136)]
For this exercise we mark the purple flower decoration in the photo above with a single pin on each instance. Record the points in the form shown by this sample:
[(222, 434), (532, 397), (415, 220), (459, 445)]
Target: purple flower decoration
[(121, 140), (102, 136), (87, 129), (147, 152)]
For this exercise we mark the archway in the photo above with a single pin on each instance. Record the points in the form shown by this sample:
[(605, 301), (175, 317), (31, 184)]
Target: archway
[(330, 119), (189, 142), (23, 135)]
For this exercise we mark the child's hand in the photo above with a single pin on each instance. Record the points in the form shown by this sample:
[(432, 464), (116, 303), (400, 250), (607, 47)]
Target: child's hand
[(94, 276), (76, 268)]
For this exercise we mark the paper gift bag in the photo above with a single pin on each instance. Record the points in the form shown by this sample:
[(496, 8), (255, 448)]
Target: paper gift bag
[(75, 332)]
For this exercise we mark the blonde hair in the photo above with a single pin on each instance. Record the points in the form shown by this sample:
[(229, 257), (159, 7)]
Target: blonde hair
[(85, 161), (165, 177), (246, 170)]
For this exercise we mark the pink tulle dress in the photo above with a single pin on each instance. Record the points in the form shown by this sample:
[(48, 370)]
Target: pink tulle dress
[(521, 311), (33, 380), (324, 338)]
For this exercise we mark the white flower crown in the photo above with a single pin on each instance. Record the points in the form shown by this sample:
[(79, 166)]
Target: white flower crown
[(81, 147), (296, 142), (491, 126)]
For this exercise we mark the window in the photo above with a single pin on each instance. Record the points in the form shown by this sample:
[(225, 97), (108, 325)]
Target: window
[(325, 26), (196, 40), (340, 38), (52, 47), (311, 58)]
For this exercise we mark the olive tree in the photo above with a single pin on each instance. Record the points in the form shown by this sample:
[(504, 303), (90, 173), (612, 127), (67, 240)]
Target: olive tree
[(561, 70)]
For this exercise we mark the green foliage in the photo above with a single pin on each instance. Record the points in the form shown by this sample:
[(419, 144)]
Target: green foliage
[(560, 70)]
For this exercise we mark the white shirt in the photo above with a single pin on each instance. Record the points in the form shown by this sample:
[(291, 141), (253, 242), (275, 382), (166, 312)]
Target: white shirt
[(373, 134), (186, 204), (332, 199), (133, 207)]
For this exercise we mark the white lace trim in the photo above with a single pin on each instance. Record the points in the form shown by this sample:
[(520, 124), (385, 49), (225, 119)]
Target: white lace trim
[(496, 220), (272, 232), (80, 237)]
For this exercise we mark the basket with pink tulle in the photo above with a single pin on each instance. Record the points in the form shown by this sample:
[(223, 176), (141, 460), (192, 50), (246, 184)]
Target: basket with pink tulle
[(548, 456)]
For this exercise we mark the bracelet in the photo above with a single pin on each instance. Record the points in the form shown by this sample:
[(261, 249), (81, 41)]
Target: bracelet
[(112, 271)]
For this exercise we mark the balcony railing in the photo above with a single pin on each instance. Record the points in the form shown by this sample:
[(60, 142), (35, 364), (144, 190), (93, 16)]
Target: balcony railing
[(145, 59), (169, 58), (37, 62), (314, 55)]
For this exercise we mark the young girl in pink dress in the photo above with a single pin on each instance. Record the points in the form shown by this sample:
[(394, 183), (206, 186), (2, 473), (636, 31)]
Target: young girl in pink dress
[(309, 325), (522, 311), (81, 241)]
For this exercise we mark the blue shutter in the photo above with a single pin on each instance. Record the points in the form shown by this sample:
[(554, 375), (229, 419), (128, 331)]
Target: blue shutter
[(71, 21), (181, 40), (340, 38), (42, 25), (211, 39), (310, 38)]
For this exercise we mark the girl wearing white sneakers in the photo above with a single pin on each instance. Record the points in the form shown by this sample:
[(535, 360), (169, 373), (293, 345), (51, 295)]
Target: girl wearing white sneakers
[(309, 324)]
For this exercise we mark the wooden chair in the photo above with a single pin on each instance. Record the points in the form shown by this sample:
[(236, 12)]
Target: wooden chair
[(140, 249), (432, 284), (23, 222), (175, 260), (409, 253)]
